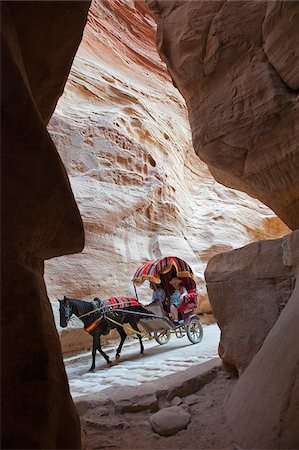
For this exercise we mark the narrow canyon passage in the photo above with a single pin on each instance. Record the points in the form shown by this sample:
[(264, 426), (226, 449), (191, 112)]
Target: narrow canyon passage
[(131, 131)]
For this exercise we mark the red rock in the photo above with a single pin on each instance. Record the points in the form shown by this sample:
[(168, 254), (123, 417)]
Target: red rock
[(280, 35), (122, 131), (244, 118), (248, 288), (263, 409), (40, 220)]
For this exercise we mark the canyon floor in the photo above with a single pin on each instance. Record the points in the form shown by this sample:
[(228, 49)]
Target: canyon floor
[(115, 403), (207, 429), (134, 369)]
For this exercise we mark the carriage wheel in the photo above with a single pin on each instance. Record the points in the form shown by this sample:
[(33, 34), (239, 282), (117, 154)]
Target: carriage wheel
[(194, 331), (162, 337)]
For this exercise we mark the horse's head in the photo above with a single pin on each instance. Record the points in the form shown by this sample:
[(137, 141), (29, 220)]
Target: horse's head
[(65, 311)]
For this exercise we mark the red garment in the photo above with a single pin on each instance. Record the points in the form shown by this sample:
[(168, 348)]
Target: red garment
[(189, 301)]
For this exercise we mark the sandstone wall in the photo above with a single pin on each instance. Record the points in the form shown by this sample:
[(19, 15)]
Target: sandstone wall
[(40, 220), (263, 410), (240, 84), (248, 288), (122, 131), (236, 64)]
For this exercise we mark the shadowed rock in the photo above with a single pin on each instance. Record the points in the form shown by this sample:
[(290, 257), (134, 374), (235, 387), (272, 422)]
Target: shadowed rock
[(40, 220), (248, 288)]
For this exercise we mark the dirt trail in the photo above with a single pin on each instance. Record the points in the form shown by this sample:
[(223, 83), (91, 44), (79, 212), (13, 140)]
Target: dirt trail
[(207, 429)]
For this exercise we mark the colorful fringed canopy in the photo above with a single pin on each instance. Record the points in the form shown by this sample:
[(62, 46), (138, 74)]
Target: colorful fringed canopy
[(152, 270)]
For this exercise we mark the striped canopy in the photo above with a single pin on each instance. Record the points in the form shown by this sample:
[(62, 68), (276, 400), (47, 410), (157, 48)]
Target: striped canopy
[(152, 270)]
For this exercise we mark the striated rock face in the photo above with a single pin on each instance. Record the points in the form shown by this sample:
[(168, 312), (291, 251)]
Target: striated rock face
[(40, 220), (235, 64), (122, 131), (248, 288), (265, 401), (239, 82), (280, 36)]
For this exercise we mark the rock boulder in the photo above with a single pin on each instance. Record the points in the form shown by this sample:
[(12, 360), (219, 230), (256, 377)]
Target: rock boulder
[(248, 288), (263, 409), (169, 421)]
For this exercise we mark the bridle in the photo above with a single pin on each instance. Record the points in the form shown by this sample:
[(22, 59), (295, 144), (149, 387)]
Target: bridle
[(67, 311)]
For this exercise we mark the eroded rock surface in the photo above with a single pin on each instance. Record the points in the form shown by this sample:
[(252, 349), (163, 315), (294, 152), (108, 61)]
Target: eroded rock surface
[(40, 220), (265, 400), (242, 102), (123, 133), (280, 36), (248, 288), (235, 64)]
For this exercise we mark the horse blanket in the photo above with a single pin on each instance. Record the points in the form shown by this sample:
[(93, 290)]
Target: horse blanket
[(111, 303), (107, 305)]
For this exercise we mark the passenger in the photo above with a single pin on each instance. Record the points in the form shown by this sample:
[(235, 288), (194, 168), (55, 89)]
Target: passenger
[(176, 298), (158, 294)]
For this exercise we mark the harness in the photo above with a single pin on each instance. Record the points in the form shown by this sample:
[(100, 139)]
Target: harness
[(106, 306), (93, 325)]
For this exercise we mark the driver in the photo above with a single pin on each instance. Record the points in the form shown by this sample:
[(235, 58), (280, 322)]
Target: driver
[(176, 298), (158, 294)]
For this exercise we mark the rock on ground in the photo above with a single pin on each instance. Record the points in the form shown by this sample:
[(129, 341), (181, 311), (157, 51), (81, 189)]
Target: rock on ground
[(169, 421), (206, 430)]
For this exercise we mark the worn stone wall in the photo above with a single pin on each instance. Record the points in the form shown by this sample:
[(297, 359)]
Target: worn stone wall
[(263, 410), (248, 288), (240, 87), (122, 131), (40, 220), (236, 65)]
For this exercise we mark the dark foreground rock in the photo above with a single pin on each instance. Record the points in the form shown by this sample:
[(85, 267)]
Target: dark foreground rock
[(265, 400), (105, 425), (40, 220)]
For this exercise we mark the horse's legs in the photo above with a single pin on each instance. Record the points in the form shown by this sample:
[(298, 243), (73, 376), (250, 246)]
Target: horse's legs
[(94, 350), (133, 324), (102, 351), (123, 336)]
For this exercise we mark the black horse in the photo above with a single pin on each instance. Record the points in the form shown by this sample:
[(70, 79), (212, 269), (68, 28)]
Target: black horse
[(99, 323)]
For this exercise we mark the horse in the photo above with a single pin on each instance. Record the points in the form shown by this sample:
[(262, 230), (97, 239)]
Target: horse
[(96, 323)]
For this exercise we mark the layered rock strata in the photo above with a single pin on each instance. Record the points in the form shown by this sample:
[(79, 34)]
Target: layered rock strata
[(235, 64), (40, 220), (123, 133), (240, 84)]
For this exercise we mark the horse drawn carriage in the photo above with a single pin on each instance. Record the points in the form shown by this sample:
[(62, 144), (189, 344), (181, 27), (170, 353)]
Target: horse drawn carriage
[(102, 315), (161, 272)]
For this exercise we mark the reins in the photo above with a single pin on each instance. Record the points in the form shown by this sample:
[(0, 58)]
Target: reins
[(123, 325), (119, 310)]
